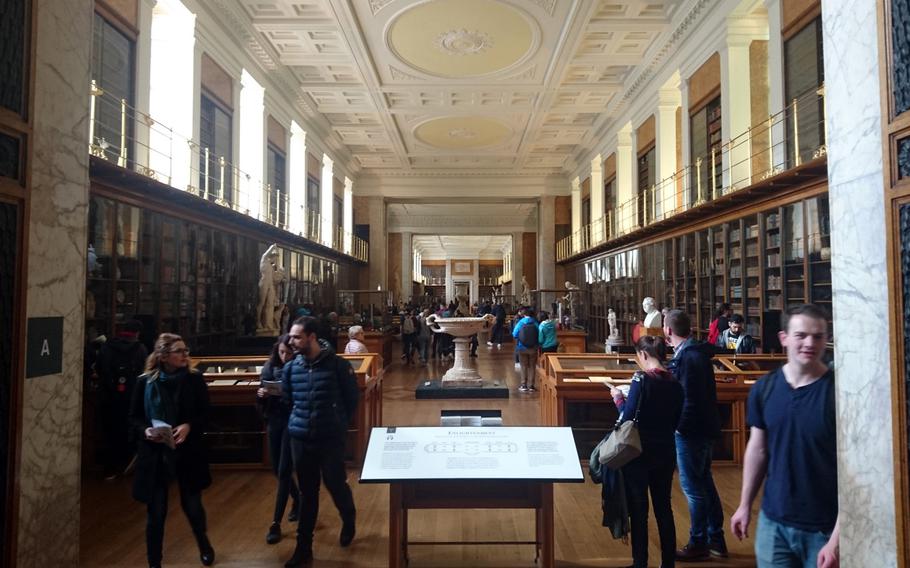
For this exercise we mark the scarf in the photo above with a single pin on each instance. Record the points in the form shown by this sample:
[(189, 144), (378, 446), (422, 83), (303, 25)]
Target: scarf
[(159, 399)]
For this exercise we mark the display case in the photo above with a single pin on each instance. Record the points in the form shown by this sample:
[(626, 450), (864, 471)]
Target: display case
[(573, 393), (235, 432)]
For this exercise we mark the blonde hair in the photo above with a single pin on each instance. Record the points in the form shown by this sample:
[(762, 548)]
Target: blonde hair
[(355, 330), (163, 346)]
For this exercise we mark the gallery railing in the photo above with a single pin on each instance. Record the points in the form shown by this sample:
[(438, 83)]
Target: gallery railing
[(130, 139), (784, 141)]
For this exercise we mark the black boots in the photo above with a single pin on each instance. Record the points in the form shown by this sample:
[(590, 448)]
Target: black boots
[(274, 534), (206, 552), (303, 556)]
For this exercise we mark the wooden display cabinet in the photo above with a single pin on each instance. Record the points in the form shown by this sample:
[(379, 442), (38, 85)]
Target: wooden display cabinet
[(571, 341), (572, 393), (236, 431)]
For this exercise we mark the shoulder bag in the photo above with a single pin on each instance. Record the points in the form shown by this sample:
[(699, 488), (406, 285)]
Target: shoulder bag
[(624, 444)]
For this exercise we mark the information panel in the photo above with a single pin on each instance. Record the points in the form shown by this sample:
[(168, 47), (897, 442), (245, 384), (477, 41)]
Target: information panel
[(531, 453)]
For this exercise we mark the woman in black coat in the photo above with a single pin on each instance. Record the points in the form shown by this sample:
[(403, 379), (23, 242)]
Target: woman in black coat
[(167, 414), (277, 411), (660, 397)]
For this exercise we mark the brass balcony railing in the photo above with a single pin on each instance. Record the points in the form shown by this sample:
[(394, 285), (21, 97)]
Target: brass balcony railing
[(130, 139), (784, 141)]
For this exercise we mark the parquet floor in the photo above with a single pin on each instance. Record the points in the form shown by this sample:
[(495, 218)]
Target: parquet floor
[(239, 506)]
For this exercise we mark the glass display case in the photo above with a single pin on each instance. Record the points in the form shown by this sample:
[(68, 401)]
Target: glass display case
[(235, 432), (574, 393)]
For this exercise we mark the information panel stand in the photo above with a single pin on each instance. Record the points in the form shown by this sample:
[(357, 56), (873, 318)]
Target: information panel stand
[(471, 468)]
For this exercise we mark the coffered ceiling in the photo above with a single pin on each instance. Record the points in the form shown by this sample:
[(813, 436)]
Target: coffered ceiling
[(497, 87)]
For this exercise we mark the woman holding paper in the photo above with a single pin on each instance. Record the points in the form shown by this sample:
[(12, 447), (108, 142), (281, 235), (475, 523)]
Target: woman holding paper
[(658, 397), (277, 411), (168, 412)]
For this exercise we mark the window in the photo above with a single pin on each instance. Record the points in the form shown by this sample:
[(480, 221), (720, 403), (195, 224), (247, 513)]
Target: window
[(803, 75), (312, 208), (707, 159), (646, 175), (609, 206), (276, 194), (112, 71), (215, 154)]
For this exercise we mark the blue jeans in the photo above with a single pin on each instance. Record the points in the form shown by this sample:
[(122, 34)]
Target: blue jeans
[(780, 546), (706, 515)]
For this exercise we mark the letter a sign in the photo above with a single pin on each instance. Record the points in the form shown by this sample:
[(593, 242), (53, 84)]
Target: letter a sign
[(44, 347)]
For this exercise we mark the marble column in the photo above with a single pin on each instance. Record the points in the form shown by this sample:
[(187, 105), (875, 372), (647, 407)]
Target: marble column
[(326, 193), (450, 282), (171, 103), (407, 267), (625, 178), (50, 428), (665, 134), (597, 199), (143, 64), (546, 247), (517, 265), (776, 101), (576, 215), (856, 185), (297, 181), (252, 145), (347, 211), (378, 243), (736, 109)]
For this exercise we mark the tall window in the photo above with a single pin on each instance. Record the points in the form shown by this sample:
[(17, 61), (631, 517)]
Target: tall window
[(113, 55), (804, 73), (312, 208), (215, 170), (707, 157), (277, 189), (609, 207), (646, 175)]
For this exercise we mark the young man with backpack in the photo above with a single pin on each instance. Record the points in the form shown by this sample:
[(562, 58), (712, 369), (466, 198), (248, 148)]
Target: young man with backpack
[(793, 449), (526, 333), (120, 361)]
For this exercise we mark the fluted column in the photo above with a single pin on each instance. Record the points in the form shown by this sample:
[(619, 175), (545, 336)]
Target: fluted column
[(597, 199), (576, 215)]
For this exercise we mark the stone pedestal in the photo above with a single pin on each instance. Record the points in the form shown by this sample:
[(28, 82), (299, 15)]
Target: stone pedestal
[(463, 373)]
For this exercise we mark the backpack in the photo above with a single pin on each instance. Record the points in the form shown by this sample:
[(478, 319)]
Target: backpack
[(408, 325), (527, 335), (713, 333), (119, 368)]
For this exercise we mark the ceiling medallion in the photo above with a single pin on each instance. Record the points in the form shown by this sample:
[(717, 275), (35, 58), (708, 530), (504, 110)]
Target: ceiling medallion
[(462, 133), (463, 42)]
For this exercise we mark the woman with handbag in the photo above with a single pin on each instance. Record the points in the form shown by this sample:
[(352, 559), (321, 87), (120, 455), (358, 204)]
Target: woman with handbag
[(655, 402), (167, 413)]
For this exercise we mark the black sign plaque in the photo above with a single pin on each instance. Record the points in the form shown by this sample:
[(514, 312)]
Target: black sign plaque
[(44, 347)]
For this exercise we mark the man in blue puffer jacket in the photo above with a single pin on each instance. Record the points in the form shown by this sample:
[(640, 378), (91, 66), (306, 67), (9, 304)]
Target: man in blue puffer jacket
[(323, 390)]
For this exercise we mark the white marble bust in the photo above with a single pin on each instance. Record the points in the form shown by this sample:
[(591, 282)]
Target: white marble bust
[(652, 314)]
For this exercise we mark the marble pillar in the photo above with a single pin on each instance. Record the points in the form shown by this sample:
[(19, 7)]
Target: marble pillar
[(625, 178), (776, 101), (407, 267), (546, 248), (50, 429), (378, 243), (665, 126), (297, 181), (517, 266), (856, 193), (576, 215)]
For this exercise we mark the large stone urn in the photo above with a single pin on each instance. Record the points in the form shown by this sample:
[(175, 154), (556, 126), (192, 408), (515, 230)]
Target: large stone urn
[(463, 373)]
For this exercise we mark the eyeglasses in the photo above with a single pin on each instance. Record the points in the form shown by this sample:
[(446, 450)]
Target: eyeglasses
[(183, 351)]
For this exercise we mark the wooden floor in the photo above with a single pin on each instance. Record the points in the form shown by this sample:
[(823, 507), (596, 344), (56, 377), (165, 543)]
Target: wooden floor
[(239, 506)]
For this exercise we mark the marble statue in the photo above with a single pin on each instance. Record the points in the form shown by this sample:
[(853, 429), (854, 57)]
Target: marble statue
[(271, 275), (611, 321), (525, 291), (463, 310), (570, 297), (653, 318)]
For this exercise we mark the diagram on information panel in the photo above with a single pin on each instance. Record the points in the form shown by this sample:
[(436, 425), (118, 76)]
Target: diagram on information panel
[(471, 448)]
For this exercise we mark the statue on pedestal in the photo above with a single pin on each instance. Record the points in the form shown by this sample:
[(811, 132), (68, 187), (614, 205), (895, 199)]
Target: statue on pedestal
[(611, 321), (525, 291), (653, 318), (271, 275), (570, 297)]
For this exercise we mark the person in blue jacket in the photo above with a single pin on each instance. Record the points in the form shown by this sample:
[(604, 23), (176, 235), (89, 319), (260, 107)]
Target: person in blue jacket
[(546, 334), (526, 347), (323, 391)]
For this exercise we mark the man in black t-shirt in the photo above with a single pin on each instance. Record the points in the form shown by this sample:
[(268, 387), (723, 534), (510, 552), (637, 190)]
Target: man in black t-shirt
[(793, 447)]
